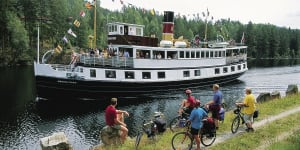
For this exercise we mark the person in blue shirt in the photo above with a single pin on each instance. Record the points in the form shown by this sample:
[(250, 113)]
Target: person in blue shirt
[(215, 105), (196, 117)]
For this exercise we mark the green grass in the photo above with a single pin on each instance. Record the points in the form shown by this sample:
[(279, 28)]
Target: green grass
[(261, 136), (291, 143)]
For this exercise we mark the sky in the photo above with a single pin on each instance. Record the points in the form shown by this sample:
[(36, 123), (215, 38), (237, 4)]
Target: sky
[(282, 13)]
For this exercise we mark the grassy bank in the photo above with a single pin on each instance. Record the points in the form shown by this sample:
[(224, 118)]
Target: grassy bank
[(263, 136)]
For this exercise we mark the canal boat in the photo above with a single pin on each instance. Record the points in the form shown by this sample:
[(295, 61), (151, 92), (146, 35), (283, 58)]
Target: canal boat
[(136, 64)]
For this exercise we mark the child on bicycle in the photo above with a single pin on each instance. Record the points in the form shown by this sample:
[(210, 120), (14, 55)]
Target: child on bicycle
[(196, 117)]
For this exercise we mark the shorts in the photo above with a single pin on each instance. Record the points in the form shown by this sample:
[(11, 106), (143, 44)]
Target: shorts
[(248, 118), (116, 126), (215, 111), (194, 131)]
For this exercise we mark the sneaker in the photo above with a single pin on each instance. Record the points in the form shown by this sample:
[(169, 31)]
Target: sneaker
[(251, 130), (247, 130)]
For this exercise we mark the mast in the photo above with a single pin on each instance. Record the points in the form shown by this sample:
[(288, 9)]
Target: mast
[(95, 19), (38, 44)]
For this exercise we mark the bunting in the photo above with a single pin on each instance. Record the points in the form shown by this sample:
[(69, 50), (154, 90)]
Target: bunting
[(243, 38), (88, 5), (76, 23), (82, 13), (58, 49), (65, 39), (72, 33), (152, 12)]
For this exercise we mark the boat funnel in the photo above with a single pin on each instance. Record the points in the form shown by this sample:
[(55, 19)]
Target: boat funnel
[(168, 26)]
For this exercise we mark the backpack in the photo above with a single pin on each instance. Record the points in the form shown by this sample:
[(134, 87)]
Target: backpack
[(222, 114), (255, 114), (209, 125), (161, 124)]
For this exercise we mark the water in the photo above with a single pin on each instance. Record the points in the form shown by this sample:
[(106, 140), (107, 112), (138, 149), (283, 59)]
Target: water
[(23, 121)]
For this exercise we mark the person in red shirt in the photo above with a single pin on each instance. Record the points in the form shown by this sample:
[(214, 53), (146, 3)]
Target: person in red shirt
[(188, 104), (115, 118)]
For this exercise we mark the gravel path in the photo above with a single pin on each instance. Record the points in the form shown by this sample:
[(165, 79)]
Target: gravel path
[(221, 138)]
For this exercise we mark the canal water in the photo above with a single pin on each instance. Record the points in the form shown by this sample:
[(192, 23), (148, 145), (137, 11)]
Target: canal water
[(23, 120)]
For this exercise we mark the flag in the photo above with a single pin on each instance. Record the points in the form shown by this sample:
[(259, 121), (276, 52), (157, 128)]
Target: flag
[(72, 33), (58, 49), (88, 5), (76, 23), (65, 39), (152, 12), (82, 13), (243, 38)]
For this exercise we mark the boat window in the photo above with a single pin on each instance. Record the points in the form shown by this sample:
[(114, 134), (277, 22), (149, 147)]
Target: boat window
[(244, 66), (207, 54), (171, 54), (161, 75), (110, 74), (197, 73), (225, 70), (81, 70), (197, 54), (202, 54), (223, 54), (193, 54), (181, 54), (239, 67), (217, 71), (146, 75), (211, 54), (93, 73), (216, 53), (139, 32), (186, 73), (129, 75), (121, 30), (159, 54), (232, 68), (187, 54)]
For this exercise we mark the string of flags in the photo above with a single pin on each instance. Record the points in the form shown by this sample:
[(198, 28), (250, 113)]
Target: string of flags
[(76, 23), (89, 5)]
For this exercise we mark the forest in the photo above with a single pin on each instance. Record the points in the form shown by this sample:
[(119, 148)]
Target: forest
[(20, 20)]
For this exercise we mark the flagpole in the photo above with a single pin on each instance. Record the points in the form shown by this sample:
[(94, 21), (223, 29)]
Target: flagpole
[(95, 5)]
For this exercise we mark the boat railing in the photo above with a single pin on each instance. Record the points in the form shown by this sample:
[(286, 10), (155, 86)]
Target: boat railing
[(114, 61)]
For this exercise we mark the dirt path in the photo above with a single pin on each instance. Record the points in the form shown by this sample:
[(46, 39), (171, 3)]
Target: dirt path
[(221, 138)]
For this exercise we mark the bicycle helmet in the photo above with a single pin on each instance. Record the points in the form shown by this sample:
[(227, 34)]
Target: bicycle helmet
[(197, 103), (188, 91)]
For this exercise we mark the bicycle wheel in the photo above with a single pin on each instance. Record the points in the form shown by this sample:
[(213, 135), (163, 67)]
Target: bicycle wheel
[(235, 124), (208, 139), (182, 141), (138, 139), (175, 124)]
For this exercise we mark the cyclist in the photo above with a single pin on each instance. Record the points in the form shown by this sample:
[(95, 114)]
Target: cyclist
[(195, 118), (215, 105), (187, 105), (115, 118), (249, 109)]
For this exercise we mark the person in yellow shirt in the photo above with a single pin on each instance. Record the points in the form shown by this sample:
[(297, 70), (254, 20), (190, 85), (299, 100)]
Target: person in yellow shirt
[(249, 109)]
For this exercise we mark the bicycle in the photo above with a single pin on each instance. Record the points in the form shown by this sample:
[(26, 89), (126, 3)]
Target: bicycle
[(151, 128), (236, 121), (185, 140), (179, 121)]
